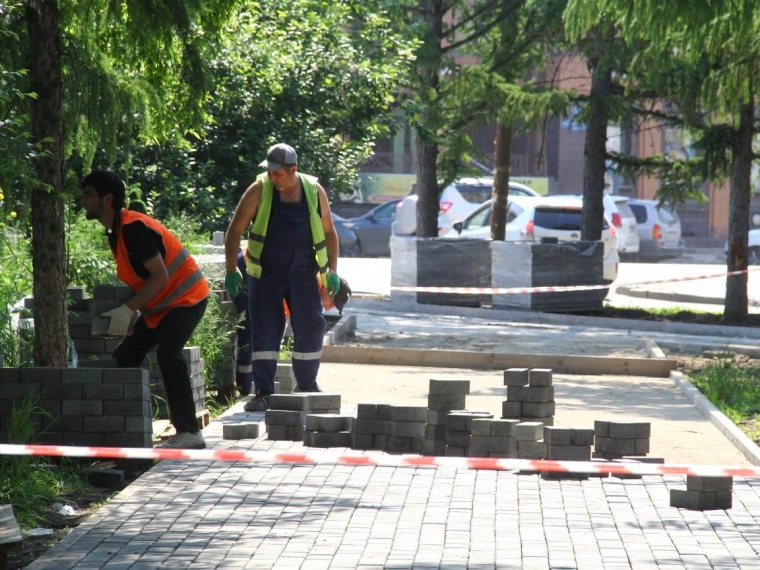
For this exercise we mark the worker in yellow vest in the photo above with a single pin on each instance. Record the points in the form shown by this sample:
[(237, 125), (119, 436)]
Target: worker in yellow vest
[(292, 238)]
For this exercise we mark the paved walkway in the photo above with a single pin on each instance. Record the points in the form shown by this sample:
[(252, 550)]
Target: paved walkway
[(184, 514), (224, 515)]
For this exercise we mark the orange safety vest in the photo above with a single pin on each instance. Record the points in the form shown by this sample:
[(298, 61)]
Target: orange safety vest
[(186, 287)]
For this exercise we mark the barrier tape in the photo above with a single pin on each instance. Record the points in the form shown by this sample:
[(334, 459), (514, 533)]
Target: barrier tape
[(382, 460), (557, 289)]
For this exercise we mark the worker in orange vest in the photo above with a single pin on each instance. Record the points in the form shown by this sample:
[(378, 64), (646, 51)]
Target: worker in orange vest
[(170, 293)]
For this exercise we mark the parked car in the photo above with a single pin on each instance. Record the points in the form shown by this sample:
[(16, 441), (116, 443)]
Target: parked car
[(616, 208), (373, 229), (346, 237), (659, 229), (457, 200), (621, 216), (530, 219)]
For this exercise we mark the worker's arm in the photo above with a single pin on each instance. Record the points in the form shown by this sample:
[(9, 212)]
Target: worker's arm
[(244, 213), (331, 236), (154, 284)]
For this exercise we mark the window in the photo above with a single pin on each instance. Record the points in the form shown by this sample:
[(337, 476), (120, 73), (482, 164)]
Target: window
[(640, 212), (667, 216), (386, 211), (480, 218), (474, 194), (558, 219)]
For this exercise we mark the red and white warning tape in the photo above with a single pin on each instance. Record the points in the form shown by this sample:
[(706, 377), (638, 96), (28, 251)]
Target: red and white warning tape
[(382, 460), (557, 289)]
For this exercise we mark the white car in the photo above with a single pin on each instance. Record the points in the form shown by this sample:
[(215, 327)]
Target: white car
[(530, 219), (617, 211), (457, 200)]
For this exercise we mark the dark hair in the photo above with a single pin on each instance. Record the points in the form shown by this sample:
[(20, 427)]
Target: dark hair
[(106, 182)]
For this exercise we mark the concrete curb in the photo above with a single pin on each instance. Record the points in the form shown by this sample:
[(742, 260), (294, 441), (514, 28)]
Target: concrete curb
[(359, 305), (736, 436), (345, 325), (563, 364), (675, 297)]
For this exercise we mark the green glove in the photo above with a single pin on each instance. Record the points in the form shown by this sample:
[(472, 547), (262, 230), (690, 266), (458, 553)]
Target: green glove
[(333, 283), (232, 282)]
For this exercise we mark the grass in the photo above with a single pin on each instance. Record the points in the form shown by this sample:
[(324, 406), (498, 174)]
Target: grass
[(30, 483), (735, 390)]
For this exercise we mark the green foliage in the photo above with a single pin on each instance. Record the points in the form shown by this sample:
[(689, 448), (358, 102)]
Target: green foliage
[(733, 389), (320, 76), (28, 482), (286, 349), (215, 336), (15, 284), (89, 259)]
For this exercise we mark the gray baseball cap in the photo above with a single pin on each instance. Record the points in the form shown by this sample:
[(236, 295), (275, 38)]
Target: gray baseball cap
[(279, 156)]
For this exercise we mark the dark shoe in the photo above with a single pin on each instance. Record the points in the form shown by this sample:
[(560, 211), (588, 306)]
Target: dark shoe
[(313, 388), (244, 391), (260, 403)]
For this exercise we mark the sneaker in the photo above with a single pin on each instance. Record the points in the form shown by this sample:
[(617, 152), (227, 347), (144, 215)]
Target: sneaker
[(260, 403), (184, 440), (313, 388)]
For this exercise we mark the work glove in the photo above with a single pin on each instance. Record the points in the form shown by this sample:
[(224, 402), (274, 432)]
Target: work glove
[(120, 319), (232, 282), (332, 283)]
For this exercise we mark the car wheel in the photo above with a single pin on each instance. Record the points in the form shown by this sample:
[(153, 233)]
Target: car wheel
[(358, 249), (753, 256)]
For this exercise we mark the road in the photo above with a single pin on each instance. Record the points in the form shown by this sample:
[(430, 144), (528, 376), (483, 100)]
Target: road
[(372, 276)]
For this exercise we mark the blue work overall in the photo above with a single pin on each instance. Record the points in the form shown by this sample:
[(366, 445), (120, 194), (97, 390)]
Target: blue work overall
[(243, 370), (288, 271)]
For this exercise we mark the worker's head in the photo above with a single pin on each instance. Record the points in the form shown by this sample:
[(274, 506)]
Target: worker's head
[(102, 183), (281, 164)]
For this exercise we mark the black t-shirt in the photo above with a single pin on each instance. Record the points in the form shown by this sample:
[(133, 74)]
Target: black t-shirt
[(142, 243)]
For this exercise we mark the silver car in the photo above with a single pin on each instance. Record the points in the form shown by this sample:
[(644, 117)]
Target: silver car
[(659, 230)]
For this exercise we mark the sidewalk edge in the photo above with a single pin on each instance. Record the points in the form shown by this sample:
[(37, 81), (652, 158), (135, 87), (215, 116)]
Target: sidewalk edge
[(736, 436)]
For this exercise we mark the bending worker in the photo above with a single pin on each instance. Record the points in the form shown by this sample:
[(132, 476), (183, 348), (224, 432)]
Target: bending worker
[(170, 293), (291, 239)]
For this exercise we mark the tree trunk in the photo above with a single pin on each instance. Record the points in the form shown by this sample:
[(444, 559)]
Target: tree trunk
[(595, 149), (738, 218), (427, 188), (502, 158), (429, 71), (48, 239)]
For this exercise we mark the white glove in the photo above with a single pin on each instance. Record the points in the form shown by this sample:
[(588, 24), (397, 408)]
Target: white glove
[(121, 318)]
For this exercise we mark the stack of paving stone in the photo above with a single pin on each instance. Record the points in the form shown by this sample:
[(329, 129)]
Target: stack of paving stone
[(444, 396), (86, 328), (284, 380), (567, 444), (703, 493), (622, 442), (529, 440), (286, 417), (530, 395), (459, 429), (493, 438), (616, 440), (327, 430), (385, 427)]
